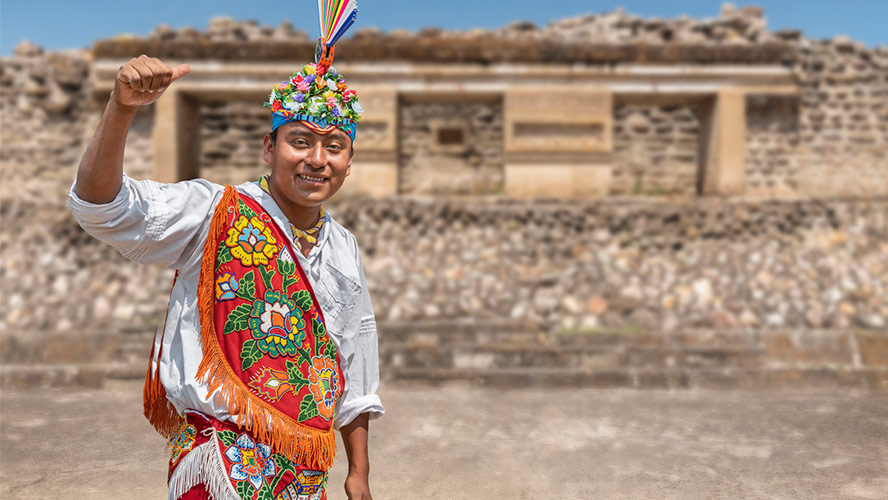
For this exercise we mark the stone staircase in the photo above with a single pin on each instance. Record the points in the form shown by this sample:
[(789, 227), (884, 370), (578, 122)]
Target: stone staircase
[(514, 355)]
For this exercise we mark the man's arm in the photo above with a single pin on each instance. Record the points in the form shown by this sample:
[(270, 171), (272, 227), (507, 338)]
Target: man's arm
[(354, 437), (139, 83)]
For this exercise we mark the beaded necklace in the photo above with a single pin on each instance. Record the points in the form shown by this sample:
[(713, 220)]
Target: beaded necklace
[(309, 235)]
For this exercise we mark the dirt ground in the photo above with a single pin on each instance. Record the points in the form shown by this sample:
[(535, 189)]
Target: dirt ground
[(461, 442)]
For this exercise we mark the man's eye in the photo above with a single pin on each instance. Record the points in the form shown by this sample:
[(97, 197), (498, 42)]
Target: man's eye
[(300, 142), (334, 147)]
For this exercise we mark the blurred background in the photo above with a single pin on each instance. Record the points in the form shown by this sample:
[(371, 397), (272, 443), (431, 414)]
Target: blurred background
[(681, 196)]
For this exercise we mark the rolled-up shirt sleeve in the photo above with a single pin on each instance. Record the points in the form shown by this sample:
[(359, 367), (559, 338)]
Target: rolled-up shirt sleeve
[(359, 355), (150, 222)]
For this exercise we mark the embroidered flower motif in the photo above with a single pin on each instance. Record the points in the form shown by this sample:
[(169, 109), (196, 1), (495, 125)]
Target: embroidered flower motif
[(182, 441), (323, 382), (250, 461), (285, 255), (226, 287), (251, 242), (277, 324), (271, 383)]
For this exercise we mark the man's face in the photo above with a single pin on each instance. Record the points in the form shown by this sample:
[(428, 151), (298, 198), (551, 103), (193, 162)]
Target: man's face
[(307, 168)]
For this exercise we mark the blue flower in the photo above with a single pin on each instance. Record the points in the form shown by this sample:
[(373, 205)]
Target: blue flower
[(250, 461)]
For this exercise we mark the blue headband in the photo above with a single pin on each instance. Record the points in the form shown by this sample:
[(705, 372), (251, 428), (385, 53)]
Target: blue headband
[(350, 128)]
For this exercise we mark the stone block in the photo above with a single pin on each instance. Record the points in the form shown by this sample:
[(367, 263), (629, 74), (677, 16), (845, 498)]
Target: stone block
[(575, 119), (558, 181), (375, 179), (873, 348)]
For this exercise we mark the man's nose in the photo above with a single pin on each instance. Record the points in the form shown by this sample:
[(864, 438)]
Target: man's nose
[(317, 157)]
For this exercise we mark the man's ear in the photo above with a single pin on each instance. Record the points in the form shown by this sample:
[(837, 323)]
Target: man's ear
[(268, 149)]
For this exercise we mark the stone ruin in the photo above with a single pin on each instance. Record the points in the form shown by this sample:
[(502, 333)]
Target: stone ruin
[(688, 173)]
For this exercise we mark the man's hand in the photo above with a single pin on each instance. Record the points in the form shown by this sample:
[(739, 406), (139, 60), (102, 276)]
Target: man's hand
[(139, 82), (357, 486), (143, 79)]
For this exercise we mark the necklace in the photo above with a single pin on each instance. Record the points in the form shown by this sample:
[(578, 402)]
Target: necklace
[(309, 235)]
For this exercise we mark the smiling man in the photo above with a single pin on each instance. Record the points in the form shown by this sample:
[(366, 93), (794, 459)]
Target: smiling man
[(270, 340)]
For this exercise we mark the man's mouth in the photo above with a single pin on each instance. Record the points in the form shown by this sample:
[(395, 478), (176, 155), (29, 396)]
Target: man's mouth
[(312, 178)]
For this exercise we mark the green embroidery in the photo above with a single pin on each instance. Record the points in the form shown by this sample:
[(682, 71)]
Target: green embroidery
[(287, 270), (250, 354), (246, 287), (302, 299), (295, 376), (330, 350), (318, 328), (265, 493), (223, 255), (245, 210), (245, 489), (303, 356), (227, 437), (266, 274), (307, 408), (238, 319)]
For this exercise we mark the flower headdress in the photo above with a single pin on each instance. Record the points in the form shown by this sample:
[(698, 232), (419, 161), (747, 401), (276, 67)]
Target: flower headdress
[(317, 94)]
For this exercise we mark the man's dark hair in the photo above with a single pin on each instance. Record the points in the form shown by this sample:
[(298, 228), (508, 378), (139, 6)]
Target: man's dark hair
[(274, 136)]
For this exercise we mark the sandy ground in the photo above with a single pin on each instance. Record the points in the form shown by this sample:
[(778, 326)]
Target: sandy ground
[(460, 442)]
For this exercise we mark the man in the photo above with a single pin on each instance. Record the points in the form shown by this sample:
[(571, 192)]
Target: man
[(270, 340)]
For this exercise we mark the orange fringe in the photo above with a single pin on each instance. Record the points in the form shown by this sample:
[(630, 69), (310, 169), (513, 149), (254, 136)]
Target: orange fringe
[(158, 409), (300, 443)]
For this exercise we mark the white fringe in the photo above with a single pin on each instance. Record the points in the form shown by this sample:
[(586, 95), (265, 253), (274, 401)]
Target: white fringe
[(203, 465)]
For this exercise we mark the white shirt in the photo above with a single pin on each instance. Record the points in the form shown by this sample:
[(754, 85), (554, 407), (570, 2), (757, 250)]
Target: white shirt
[(149, 222)]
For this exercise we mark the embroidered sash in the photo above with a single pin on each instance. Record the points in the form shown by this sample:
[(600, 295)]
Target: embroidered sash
[(227, 463), (265, 345)]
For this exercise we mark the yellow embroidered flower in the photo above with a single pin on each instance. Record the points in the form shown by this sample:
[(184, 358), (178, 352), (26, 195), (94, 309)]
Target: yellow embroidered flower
[(251, 242), (308, 69), (328, 94)]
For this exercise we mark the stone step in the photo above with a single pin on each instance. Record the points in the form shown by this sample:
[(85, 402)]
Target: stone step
[(87, 376), (868, 378), (515, 355)]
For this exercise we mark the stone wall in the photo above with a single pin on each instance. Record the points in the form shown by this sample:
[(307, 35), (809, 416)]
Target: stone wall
[(450, 148), (630, 263), (772, 136), (843, 119), (656, 149), (635, 265), (231, 141)]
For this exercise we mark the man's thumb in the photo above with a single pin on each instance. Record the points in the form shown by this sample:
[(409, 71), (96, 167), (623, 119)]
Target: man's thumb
[(180, 71)]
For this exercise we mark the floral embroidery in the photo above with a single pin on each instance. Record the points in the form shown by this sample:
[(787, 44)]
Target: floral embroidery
[(285, 255), (250, 461), (277, 324), (271, 383), (324, 384), (309, 484), (251, 241), (182, 442), (226, 286)]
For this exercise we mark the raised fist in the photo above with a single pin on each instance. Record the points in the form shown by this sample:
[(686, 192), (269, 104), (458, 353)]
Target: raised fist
[(143, 79)]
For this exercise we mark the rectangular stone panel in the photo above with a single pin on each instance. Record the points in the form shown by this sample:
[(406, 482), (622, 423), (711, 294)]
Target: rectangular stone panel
[(376, 131), (573, 119), (567, 180)]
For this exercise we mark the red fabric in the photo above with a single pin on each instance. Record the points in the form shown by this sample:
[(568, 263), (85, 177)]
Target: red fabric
[(288, 484), (268, 377), (199, 492)]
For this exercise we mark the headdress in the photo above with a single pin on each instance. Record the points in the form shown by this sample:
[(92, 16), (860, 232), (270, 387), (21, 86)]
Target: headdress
[(317, 94)]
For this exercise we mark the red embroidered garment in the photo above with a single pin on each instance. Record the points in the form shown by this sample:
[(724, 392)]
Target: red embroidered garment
[(215, 460), (265, 346)]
